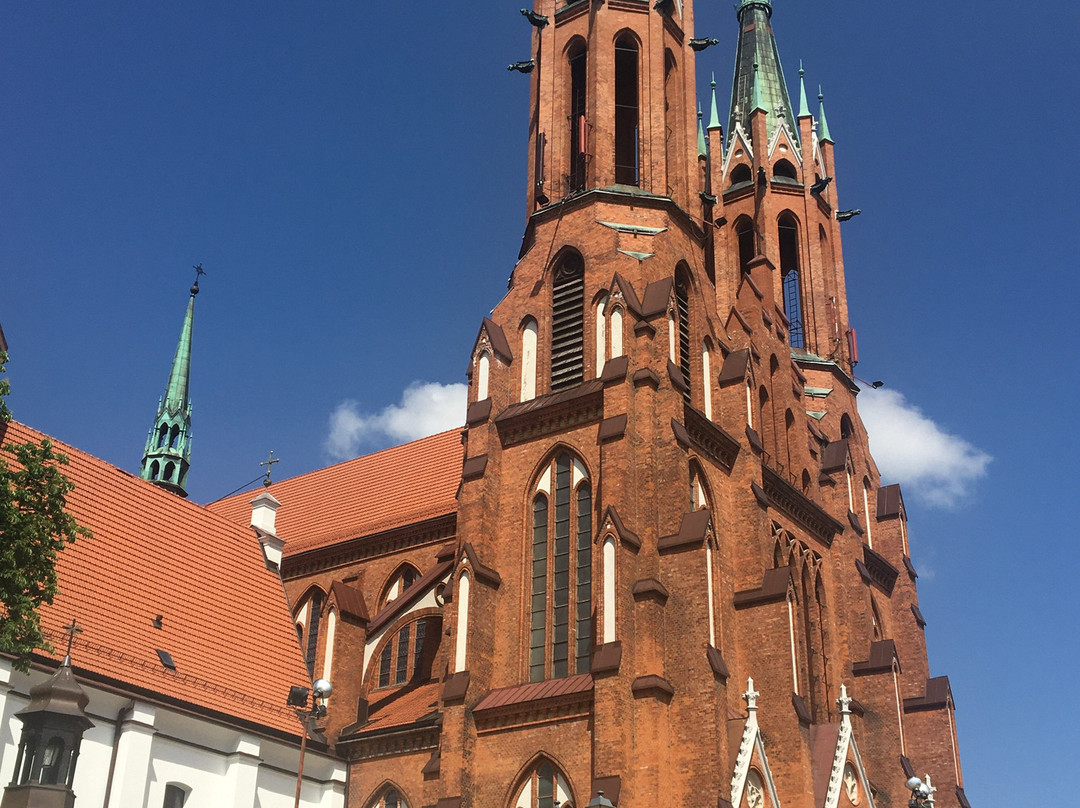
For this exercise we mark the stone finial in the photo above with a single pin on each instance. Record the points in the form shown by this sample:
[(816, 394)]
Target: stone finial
[(751, 695), (844, 702)]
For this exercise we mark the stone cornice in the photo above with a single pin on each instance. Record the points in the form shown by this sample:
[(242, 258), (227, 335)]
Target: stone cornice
[(792, 502)]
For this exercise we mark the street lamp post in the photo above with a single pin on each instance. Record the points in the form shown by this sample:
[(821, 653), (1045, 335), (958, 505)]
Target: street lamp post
[(298, 698)]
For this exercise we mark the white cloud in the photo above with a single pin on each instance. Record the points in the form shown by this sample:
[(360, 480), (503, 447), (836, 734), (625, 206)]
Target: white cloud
[(425, 408), (939, 468)]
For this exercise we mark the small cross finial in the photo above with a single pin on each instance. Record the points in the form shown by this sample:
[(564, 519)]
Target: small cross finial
[(751, 695), (71, 630), (269, 463), (199, 272), (820, 95)]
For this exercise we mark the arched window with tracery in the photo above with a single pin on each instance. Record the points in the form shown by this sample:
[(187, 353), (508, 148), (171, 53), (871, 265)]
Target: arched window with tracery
[(543, 787), (560, 604), (627, 134), (568, 323), (407, 652), (788, 237), (401, 579), (389, 797)]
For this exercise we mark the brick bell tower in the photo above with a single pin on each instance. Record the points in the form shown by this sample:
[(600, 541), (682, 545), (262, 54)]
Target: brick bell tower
[(678, 578)]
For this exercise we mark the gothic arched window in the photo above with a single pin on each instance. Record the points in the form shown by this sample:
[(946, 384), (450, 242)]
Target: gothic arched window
[(568, 323), (575, 55), (788, 232), (401, 580), (784, 168), (740, 174), (744, 233), (626, 110), (406, 654), (560, 605), (543, 787), (389, 798)]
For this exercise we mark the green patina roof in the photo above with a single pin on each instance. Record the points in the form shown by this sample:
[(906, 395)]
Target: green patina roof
[(804, 108), (168, 446), (176, 394), (823, 132), (714, 118), (759, 78)]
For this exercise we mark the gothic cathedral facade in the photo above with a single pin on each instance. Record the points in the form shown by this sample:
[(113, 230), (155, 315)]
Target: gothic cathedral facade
[(670, 571)]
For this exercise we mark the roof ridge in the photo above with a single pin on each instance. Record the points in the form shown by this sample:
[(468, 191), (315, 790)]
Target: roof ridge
[(342, 463)]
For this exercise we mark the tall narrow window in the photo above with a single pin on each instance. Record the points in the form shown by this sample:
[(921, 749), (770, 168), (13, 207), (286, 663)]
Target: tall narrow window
[(626, 111), (483, 369), (616, 332), (314, 616), (568, 324), (560, 609), (744, 232), (328, 657), (576, 118), (528, 360), (462, 632), (789, 273), (672, 121), (706, 382), (866, 510), (682, 304), (601, 334)]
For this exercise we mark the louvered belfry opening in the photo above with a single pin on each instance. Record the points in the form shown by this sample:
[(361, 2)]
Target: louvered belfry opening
[(568, 324), (682, 304)]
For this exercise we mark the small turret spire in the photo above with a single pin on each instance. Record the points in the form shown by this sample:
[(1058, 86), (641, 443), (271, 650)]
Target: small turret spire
[(166, 457), (824, 130), (714, 118), (804, 108)]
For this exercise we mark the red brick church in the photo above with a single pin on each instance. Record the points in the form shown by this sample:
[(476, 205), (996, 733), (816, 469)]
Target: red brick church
[(658, 561)]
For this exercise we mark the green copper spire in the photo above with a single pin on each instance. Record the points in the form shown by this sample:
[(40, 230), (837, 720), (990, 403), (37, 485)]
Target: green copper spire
[(714, 118), (759, 80), (167, 455), (823, 134), (700, 135), (804, 108)]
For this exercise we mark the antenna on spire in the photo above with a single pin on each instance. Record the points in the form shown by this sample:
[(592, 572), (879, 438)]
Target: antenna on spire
[(269, 463), (199, 272), (71, 630)]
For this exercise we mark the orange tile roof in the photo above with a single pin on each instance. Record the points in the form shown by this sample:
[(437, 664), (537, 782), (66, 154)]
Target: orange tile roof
[(225, 620), (402, 707), (381, 491)]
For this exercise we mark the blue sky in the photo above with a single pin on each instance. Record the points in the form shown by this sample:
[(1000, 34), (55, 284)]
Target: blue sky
[(352, 178)]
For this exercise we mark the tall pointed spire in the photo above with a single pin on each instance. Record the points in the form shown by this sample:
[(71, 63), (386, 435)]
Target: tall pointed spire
[(759, 79), (824, 131), (714, 118), (167, 455), (804, 108)]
